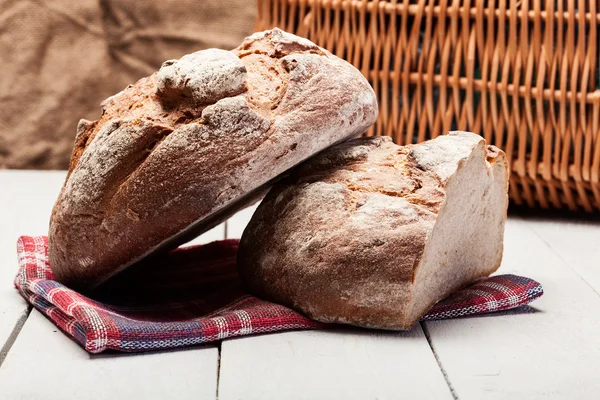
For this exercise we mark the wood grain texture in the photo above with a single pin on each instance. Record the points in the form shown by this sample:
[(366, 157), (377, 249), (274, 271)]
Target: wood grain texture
[(345, 364), (549, 352), (45, 364), (26, 200)]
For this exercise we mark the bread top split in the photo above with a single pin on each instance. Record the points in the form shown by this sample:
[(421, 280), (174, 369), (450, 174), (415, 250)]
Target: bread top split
[(179, 151)]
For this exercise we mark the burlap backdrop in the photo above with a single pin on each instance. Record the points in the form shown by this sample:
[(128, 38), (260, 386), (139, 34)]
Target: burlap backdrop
[(60, 58)]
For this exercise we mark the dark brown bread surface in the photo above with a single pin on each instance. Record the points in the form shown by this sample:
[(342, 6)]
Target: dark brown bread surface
[(372, 234), (177, 152)]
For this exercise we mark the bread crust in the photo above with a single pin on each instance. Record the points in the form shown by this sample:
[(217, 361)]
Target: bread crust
[(179, 151), (343, 237)]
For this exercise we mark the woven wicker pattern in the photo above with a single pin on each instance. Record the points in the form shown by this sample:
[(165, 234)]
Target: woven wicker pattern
[(522, 73)]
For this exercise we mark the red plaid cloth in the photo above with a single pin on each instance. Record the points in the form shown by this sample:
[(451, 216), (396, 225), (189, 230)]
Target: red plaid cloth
[(193, 295)]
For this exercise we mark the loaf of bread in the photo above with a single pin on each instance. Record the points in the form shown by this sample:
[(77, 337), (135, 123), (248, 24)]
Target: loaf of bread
[(373, 234), (179, 151)]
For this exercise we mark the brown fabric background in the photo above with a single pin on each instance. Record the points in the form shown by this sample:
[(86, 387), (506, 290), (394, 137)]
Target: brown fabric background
[(60, 58)]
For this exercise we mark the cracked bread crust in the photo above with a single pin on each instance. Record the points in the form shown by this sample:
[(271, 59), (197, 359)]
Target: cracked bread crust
[(361, 207), (177, 152), (343, 237)]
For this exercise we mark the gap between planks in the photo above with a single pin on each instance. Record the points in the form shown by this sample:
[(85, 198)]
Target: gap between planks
[(306, 348), (437, 359), (13, 335), (545, 351), (219, 343)]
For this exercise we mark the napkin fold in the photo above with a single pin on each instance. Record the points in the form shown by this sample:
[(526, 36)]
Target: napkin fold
[(193, 295)]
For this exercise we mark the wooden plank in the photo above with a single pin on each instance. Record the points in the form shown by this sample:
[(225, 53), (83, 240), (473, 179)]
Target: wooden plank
[(576, 241), (237, 223), (26, 200), (46, 364), (550, 352), (216, 233), (343, 364)]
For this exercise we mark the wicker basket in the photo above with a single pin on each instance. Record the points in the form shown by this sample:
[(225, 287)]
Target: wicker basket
[(522, 73)]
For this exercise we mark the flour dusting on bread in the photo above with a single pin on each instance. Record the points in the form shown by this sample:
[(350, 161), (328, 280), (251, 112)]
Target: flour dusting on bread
[(372, 234), (179, 151)]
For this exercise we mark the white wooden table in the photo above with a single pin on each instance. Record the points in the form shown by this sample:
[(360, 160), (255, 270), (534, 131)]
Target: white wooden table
[(551, 351)]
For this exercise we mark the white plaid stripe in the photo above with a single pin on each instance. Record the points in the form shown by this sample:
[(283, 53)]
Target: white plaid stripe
[(490, 301), (245, 321), (98, 327), (71, 326), (513, 298), (41, 260), (50, 293), (222, 325)]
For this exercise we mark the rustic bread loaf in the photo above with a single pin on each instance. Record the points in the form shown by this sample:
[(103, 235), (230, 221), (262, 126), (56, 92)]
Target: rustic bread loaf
[(373, 234), (177, 152)]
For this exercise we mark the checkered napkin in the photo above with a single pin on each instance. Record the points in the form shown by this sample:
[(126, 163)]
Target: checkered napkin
[(193, 295)]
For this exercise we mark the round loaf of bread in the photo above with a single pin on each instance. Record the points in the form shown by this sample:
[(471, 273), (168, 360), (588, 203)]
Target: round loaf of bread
[(179, 151), (373, 234)]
